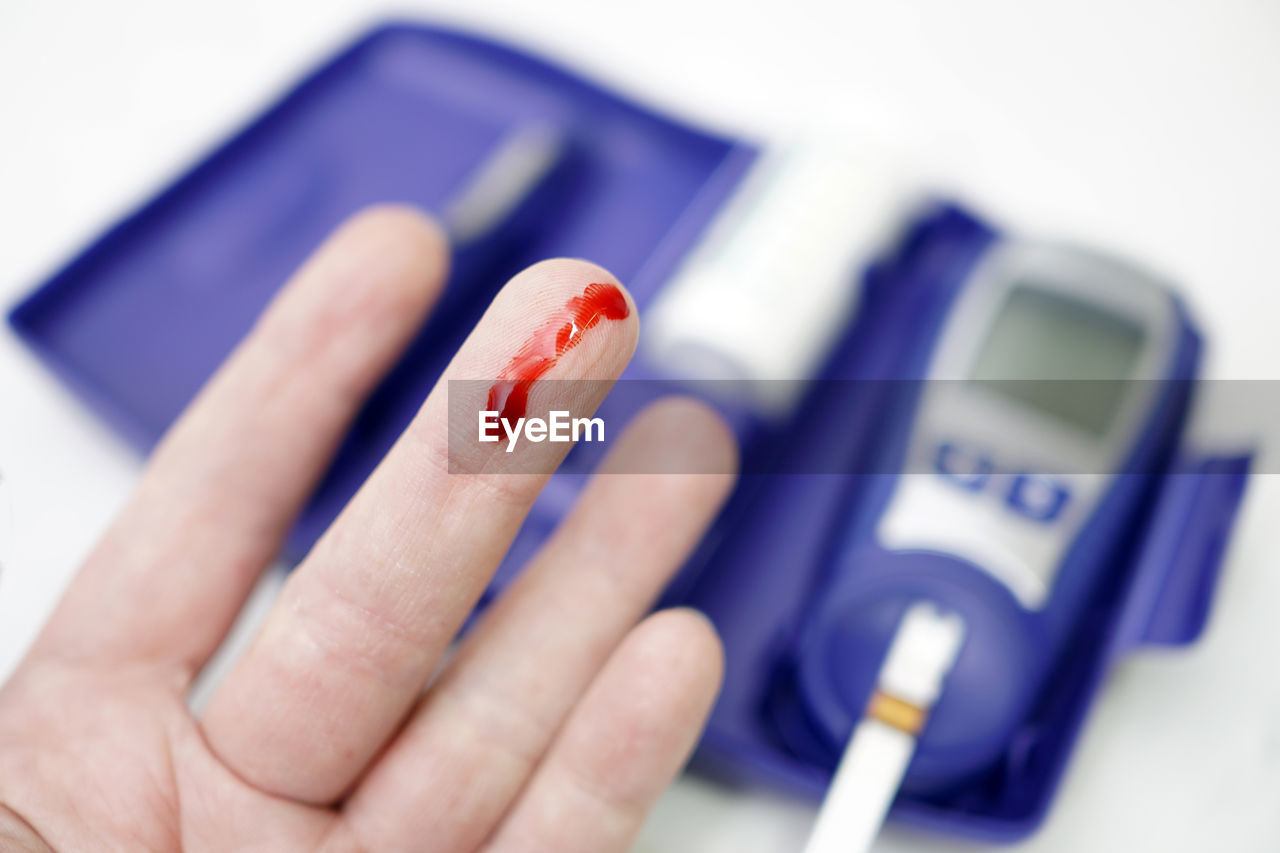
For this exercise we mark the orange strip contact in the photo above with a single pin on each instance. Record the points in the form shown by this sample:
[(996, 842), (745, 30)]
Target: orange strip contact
[(896, 713)]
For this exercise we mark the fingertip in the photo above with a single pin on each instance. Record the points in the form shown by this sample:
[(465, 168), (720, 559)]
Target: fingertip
[(401, 238), (400, 221), (684, 645), (545, 289), (372, 281), (679, 434)]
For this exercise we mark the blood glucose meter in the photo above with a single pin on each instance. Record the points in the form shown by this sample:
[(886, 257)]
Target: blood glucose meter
[(1055, 384)]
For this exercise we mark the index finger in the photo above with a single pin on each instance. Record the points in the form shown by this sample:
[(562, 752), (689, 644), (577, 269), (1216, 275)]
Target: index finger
[(365, 618), (225, 484)]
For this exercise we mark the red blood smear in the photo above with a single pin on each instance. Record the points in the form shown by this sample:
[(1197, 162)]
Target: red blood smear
[(563, 331)]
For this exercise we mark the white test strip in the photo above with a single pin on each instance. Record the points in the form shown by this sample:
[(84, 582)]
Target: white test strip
[(922, 653), (767, 292)]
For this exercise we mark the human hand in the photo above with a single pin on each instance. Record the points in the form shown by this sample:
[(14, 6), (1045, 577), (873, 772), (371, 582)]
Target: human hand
[(554, 726)]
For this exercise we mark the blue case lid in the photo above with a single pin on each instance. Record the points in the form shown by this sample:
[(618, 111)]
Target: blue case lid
[(408, 113)]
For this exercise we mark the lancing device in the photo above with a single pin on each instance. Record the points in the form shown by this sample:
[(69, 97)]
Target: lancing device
[(1056, 383), (774, 283), (518, 164), (499, 197)]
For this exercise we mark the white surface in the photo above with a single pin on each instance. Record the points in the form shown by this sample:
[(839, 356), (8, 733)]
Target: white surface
[(1150, 127)]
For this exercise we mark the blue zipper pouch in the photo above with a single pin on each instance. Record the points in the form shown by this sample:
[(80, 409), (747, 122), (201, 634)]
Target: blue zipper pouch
[(137, 321)]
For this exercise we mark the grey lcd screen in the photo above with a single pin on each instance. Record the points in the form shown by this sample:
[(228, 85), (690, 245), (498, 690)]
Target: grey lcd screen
[(1040, 337)]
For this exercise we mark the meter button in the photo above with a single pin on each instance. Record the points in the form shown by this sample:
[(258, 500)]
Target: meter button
[(1037, 498), (964, 468)]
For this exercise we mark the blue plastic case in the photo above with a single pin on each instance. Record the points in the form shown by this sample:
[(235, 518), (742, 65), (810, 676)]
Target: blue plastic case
[(407, 113), (758, 587), (138, 321)]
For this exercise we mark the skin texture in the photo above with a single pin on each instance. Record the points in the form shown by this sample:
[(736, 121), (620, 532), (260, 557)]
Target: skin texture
[(555, 723)]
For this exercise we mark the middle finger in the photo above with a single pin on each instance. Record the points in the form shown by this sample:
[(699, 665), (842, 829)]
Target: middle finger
[(364, 619), (471, 745)]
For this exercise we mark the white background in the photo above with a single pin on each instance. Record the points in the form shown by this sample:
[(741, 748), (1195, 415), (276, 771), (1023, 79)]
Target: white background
[(1152, 128)]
